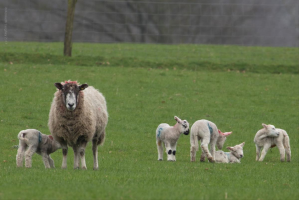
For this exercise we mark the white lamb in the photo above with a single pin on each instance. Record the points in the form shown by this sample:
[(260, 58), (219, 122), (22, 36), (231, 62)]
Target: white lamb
[(208, 133), (234, 156), (33, 141), (169, 135), (77, 116), (269, 137)]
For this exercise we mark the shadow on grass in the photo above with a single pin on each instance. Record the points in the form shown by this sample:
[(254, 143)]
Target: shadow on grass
[(46, 59)]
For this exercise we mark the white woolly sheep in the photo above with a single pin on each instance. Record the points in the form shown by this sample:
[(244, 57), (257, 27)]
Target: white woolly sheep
[(77, 116), (208, 133), (269, 137), (234, 156), (33, 141), (169, 135)]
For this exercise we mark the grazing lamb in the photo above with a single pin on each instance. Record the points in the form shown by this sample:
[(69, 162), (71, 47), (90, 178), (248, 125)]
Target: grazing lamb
[(234, 156), (208, 133), (33, 141), (77, 116), (169, 135), (269, 137)]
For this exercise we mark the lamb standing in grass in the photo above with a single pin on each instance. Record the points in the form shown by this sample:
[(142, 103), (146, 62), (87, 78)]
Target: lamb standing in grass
[(208, 133), (234, 156), (269, 137), (33, 141), (169, 135), (77, 116)]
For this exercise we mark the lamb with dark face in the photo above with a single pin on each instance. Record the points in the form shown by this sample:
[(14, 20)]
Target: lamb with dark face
[(77, 116), (169, 135)]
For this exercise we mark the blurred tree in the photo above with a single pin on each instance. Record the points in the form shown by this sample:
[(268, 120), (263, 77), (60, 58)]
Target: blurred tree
[(69, 27)]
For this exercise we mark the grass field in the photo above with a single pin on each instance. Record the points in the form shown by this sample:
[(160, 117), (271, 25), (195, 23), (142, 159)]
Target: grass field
[(238, 88)]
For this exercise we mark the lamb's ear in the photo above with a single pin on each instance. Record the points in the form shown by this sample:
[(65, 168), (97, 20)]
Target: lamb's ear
[(224, 134), (51, 137), (58, 86), (230, 148), (177, 119), (264, 125), (242, 144), (83, 86)]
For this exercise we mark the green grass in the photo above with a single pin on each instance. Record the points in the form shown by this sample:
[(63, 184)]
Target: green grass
[(139, 98), (191, 57)]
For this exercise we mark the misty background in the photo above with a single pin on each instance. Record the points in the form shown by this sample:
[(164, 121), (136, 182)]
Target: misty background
[(236, 22)]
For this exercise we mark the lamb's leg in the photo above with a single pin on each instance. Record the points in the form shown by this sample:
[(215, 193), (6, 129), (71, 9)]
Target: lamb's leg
[(288, 152), (213, 149), (202, 156), (160, 149), (95, 154), (204, 147), (51, 162), (286, 144), (82, 155), (173, 148), (168, 151), (192, 153), (258, 152), (28, 156), (281, 151), (20, 154), (265, 150), (45, 159)]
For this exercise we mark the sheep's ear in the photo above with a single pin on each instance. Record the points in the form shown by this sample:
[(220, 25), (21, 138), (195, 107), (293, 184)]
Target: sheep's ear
[(58, 86), (242, 144), (264, 125), (83, 86), (51, 137)]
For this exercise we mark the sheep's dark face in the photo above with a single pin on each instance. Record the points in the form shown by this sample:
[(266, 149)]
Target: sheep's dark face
[(70, 92)]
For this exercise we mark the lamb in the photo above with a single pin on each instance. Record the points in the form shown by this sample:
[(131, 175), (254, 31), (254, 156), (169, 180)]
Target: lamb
[(35, 142), (234, 156), (208, 133), (269, 137), (77, 116), (169, 135)]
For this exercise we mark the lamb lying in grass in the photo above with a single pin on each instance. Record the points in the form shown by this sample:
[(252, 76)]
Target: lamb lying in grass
[(269, 137), (33, 141), (208, 133), (234, 156), (169, 135)]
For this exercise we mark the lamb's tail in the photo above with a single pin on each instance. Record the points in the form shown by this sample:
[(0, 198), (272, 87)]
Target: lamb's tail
[(22, 137), (287, 146)]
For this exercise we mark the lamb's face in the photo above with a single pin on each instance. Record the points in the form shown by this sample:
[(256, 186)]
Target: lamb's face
[(220, 141), (184, 125), (221, 138), (70, 92), (271, 130), (237, 150)]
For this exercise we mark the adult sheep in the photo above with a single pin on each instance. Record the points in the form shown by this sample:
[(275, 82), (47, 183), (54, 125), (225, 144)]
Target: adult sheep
[(77, 116)]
